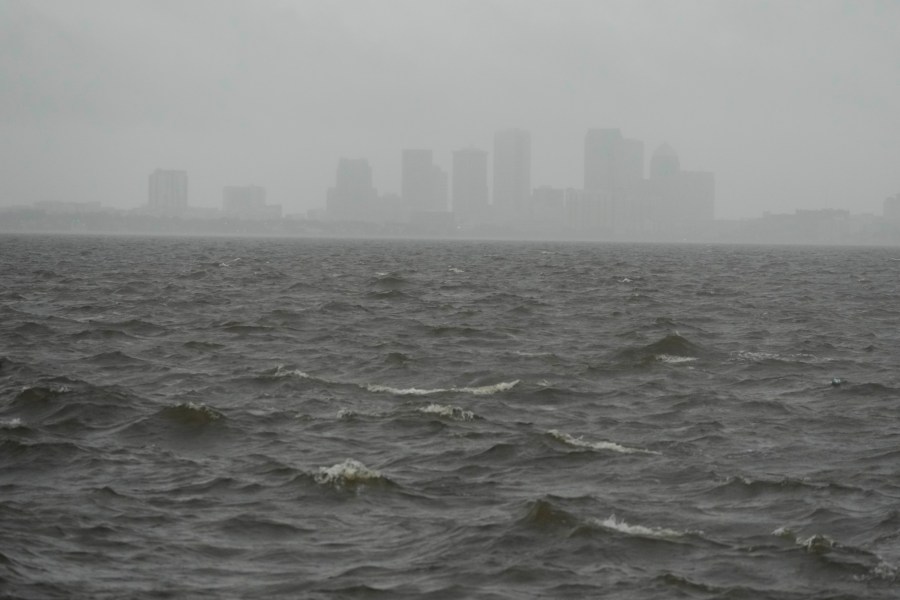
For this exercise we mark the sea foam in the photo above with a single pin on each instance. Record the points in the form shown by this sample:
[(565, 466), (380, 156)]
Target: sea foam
[(349, 472), (621, 526), (450, 412), (580, 443), (485, 390)]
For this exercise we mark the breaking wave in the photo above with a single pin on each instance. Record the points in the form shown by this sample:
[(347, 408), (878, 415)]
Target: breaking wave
[(450, 412), (485, 390), (616, 524), (349, 473), (578, 442)]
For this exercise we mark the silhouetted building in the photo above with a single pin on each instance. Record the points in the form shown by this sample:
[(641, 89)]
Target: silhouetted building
[(892, 208), (512, 174), (470, 185), (248, 202), (681, 198), (168, 191), (604, 159), (353, 197), (615, 193), (664, 163)]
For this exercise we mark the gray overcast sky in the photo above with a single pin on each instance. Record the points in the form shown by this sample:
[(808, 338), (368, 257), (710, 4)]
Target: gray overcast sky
[(791, 104)]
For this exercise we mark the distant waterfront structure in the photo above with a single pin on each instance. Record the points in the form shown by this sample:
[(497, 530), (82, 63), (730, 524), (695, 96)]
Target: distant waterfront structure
[(470, 185), (512, 175), (168, 191), (664, 163), (616, 199), (892, 207), (248, 202), (604, 159), (353, 196), (685, 198)]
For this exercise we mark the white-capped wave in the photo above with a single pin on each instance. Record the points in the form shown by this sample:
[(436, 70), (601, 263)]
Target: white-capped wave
[(621, 526), (816, 543), (346, 413), (883, 570), (578, 442), (751, 356), (10, 423), (450, 412), (349, 472), (485, 390), (674, 360), (280, 371)]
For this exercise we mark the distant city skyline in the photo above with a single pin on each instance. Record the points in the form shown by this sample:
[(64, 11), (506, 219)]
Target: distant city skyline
[(791, 104)]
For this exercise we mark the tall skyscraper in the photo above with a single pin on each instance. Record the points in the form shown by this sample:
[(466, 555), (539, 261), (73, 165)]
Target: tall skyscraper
[(683, 197), (604, 159), (664, 163), (167, 191), (353, 195), (512, 173), (470, 185)]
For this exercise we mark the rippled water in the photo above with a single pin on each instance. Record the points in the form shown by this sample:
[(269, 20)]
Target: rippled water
[(396, 419)]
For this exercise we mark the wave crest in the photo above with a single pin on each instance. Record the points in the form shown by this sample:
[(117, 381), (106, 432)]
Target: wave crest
[(190, 413), (621, 526), (450, 412), (485, 390), (349, 473), (578, 442)]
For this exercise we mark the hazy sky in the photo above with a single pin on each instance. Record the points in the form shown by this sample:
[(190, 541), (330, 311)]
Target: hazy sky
[(793, 104)]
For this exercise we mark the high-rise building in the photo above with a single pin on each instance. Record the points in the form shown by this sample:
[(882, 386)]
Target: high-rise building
[(167, 191), (664, 163), (512, 174), (604, 158), (470, 185), (892, 207), (353, 195), (248, 202), (682, 197), (243, 198)]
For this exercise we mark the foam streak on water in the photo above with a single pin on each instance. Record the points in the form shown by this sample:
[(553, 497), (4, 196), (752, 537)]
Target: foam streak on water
[(239, 418)]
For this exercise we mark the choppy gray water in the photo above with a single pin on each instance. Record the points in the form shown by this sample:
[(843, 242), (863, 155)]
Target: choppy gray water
[(217, 418)]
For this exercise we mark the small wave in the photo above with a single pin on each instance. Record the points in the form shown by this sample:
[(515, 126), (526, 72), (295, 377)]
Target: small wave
[(672, 348), (621, 526), (485, 390), (674, 360), (580, 443), (346, 413), (389, 281), (348, 473), (450, 412), (10, 423), (190, 413), (280, 371), (816, 543), (752, 356), (882, 571), (455, 270)]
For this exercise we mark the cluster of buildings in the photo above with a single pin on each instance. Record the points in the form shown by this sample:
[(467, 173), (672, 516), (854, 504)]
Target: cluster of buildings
[(167, 195), (616, 199), (622, 197)]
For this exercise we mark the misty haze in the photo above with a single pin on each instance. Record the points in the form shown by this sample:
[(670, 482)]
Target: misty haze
[(449, 299)]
